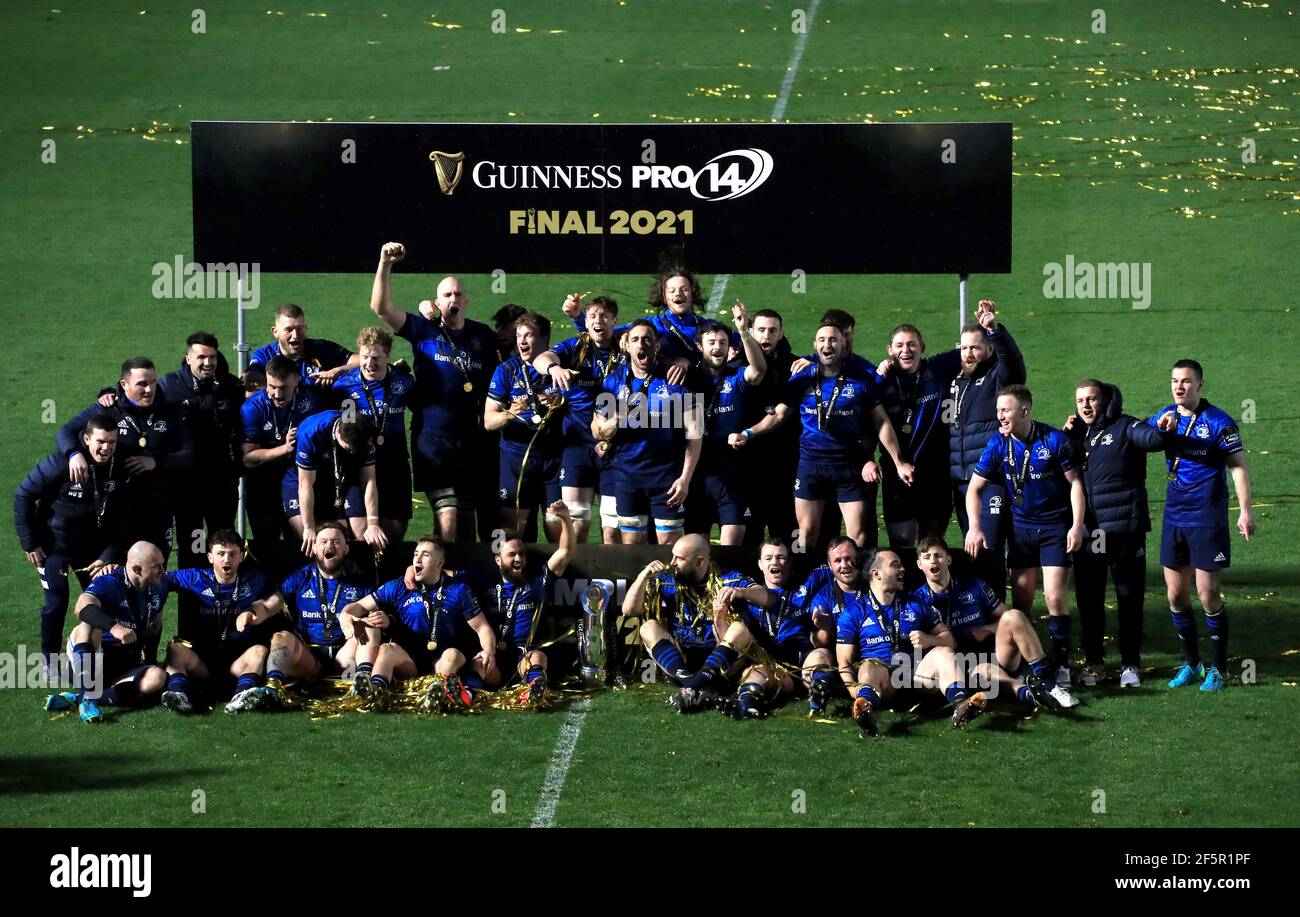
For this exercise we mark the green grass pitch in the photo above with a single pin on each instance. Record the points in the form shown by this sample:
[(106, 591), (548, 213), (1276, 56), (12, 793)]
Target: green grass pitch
[(1128, 147)]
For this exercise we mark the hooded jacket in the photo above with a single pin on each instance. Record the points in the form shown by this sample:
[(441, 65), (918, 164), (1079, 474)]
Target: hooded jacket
[(977, 396), (1113, 456)]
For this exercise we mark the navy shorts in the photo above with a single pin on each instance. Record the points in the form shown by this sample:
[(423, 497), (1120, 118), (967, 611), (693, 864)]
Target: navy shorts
[(928, 499), (1037, 546), (354, 503), (393, 473), (327, 656), (814, 480), (439, 462), (724, 492), (1206, 547), (578, 463), (639, 494), (538, 483), (995, 512), (966, 643)]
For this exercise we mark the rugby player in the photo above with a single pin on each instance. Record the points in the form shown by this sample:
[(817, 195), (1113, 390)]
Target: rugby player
[(718, 488), (209, 646), (454, 360), (1035, 463), (336, 477), (120, 627), (319, 361), (1112, 447), (655, 428), (68, 527), (984, 627), (1194, 536), (434, 626), (578, 368), (325, 642), (382, 392), (270, 418)]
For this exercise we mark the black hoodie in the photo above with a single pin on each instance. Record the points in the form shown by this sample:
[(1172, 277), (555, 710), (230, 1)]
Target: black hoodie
[(1113, 455), (211, 411)]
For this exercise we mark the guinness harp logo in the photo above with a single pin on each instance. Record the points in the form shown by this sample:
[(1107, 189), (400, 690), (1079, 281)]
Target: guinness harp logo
[(448, 167)]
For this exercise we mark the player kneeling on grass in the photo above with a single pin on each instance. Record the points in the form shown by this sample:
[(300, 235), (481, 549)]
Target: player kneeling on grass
[(121, 623), (208, 645), (514, 606), (1001, 640), (877, 633), (433, 625), (325, 642)]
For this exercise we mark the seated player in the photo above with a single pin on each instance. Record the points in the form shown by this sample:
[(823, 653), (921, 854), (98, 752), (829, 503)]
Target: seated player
[(336, 477), (578, 367), (318, 361), (653, 430), (515, 603), (271, 418), (121, 624), (984, 627), (782, 627), (695, 646), (434, 626), (382, 391), (825, 593), (208, 645), (718, 489), (1048, 506), (881, 633), (531, 438), (325, 642), (72, 527)]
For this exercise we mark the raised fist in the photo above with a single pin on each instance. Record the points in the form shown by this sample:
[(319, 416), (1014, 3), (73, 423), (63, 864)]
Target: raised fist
[(392, 252)]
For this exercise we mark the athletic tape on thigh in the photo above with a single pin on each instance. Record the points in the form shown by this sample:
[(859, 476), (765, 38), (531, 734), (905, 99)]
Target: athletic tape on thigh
[(442, 499), (632, 523), (608, 513), (669, 525), (579, 510)]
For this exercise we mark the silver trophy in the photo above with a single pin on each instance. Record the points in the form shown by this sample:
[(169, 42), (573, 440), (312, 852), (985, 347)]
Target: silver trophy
[(592, 651)]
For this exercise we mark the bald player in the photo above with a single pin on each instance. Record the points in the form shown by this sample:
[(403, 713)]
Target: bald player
[(454, 360)]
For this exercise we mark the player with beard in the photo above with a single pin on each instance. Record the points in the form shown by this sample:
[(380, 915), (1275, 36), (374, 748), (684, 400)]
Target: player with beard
[(654, 428), (1036, 464), (206, 495), (433, 625), (578, 368), (896, 642), (153, 443), (209, 646), (913, 388), (454, 359), (984, 627), (336, 477), (382, 391), (519, 407), (270, 419), (325, 642), (718, 488), (1194, 541), (839, 407), (990, 361), (69, 528), (824, 595), (515, 602), (319, 361), (769, 451), (1113, 448)]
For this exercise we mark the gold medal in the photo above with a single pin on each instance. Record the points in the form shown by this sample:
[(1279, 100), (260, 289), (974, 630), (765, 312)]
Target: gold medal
[(433, 645), (469, 386), (142, 441), (379, 440)]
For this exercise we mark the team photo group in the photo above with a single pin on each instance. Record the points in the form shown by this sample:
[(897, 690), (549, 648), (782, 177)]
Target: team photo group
[(679, 428)]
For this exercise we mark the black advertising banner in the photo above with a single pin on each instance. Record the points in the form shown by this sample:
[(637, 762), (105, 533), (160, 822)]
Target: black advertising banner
[(565, 198)]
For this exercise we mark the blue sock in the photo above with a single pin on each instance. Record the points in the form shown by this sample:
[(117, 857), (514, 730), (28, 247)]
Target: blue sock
[(1216, 624), (1024, 695), (955, 693), (871, 695), (178, 682), (1058, 628), (83, 661), (819, 676), (720, 660), (1044, 668), (1185, 625), (245, 682), (472, 680), (667, 657), (365, 667), (378, 681), (274, 673), (110, 697), (534, 673)]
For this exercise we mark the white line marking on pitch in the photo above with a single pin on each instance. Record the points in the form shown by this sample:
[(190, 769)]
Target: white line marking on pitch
[(792, 68), (561, 758)]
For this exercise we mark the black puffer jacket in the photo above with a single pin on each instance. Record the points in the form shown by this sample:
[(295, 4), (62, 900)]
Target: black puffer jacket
[(1113, 455), (978, 396)]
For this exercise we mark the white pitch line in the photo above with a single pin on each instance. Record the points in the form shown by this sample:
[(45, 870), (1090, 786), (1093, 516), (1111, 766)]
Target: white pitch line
[(561, 758), (792, 68), (718, 290)]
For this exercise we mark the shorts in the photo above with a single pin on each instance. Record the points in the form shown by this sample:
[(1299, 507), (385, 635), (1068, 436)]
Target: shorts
[(995, 512), (118, 662), (639, 494), (724, 492), (326, 656), (578, 465), (1037, 546), (508, 664), (822, 480), (538, 482), (1206, 547), (929, 499), (220, 657), (439, 462), (393, 474), (968, 644), (354, 503)]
